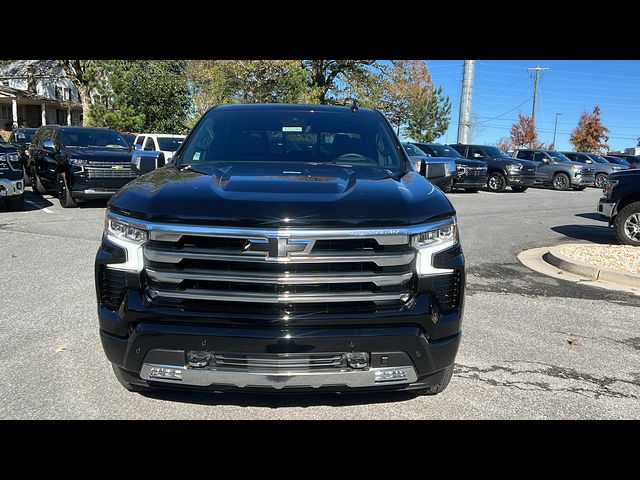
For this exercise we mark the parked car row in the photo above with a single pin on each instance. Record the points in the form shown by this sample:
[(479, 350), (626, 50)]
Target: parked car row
[(479, 166)]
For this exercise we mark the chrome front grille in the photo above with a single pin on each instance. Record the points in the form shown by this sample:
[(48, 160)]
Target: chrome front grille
[(113, 171), (287, 272)]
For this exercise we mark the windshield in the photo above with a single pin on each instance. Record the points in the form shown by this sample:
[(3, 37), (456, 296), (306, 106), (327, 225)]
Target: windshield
[(441, 151), (557, 156), (413, 150), (619, 161), (78, 137), (495, 152), (279, 135), (22, 136), (170, 144), (597, 158)]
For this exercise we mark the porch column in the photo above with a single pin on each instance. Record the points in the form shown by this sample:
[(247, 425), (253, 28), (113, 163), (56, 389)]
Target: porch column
[(68, 115), (14, 109), (43, 109)]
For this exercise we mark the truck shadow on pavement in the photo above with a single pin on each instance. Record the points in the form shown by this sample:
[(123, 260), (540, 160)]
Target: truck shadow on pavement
[(592, 216), (592, 233), (279, 400)]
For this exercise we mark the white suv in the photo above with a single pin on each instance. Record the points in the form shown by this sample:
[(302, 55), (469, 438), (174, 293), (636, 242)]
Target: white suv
[(167, 144)]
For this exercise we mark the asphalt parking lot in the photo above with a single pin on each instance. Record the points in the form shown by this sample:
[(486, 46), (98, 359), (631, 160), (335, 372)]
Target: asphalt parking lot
[(533, 346)]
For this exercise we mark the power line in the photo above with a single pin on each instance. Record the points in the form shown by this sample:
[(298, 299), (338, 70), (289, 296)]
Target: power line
[(509, 111)]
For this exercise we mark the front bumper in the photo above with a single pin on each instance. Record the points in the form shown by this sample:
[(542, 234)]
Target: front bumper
[(401, 357), (83, 188), (583, 181), (10, 188), (443, 183), (520, 180), (606, 208)]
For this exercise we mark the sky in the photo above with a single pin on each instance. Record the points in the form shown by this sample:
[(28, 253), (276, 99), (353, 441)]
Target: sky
[(502, 88)]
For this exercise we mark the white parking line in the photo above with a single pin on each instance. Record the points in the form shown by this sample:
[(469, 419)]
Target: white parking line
[(38, 206)]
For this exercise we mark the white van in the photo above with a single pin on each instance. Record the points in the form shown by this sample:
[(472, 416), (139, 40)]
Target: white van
[(167, 144)]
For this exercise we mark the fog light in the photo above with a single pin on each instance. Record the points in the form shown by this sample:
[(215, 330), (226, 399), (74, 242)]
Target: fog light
[(391, 375), (165, 372), (198, 358), (358, 359)]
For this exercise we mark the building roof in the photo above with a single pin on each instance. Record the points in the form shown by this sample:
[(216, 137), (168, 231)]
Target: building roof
[(46, 68), (15, 92)]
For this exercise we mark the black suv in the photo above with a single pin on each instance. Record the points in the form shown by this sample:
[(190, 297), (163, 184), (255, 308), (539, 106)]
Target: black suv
[(503, 170), (79, 163), (630, 159), (621, 205), (471, 175), (11, 177), (283, 248), (21, 139)]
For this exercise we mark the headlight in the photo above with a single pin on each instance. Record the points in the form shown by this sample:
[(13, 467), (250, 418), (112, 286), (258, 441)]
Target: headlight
[(576, 168), (11, 160), (431, 242), (609, 187), (417, 164), (78, 162), (447, 170), (131, 238), (514, 167)]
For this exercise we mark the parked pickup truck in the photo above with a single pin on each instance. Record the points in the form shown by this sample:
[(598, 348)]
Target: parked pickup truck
[(11, 177), (284, 248), (79, 163), (621, 205), (602, 167), (504, 171), (439, 171), (471, 175), (555, 169), (21, 139)]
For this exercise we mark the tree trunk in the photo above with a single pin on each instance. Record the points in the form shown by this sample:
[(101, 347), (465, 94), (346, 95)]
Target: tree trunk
[(85, 99)]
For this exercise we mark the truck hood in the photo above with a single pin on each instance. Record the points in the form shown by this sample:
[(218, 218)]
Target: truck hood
[(98, 154), (504, 161), (281, 195)]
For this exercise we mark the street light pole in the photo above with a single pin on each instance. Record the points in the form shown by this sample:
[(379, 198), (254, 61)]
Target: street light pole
[(555, 129)]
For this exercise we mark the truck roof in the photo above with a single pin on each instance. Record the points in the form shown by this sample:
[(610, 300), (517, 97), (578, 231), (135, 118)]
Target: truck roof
[(293, 106)]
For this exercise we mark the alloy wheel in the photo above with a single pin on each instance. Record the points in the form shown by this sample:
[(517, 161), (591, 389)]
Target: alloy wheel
[(632, 227), (560, 182), (495, 183), (601, 181)]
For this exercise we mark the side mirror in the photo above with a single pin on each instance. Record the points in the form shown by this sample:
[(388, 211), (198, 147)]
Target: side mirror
[(477, 155), (423, 168), (146, 161), (48, 145), (137, 146), (426, 154), (589, 161)]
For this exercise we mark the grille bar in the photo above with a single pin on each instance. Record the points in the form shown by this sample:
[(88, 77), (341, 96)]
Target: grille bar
[(280, 361), (281, 298), (176, 255), (279, 279)]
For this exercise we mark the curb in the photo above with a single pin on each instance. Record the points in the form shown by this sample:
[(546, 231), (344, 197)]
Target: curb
[(590, 272)]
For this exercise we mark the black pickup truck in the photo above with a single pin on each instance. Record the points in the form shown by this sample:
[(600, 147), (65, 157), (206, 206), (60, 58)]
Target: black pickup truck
[(471, 175), (504, 171), (283, 248), (79, 163), (621, 205)]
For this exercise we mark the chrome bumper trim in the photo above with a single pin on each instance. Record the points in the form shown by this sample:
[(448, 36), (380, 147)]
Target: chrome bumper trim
[(606, 208), (11, 187), (204, 377)]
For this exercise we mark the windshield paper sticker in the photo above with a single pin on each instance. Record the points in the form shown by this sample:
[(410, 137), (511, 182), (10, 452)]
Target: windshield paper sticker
[(291, 129)]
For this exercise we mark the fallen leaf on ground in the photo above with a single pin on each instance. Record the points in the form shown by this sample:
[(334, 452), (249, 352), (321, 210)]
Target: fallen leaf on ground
[(61, 349), (573, 341)]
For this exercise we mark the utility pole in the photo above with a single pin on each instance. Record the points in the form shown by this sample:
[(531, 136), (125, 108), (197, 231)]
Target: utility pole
[(555, 129), (535, 92), (464, 120)]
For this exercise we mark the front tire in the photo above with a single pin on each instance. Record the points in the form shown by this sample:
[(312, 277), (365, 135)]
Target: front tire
[(627, 225), (36, 184), (496, 182), (601, 180), (436, 389), (561, 181), (64, 195), (15, 203), (519, 189)]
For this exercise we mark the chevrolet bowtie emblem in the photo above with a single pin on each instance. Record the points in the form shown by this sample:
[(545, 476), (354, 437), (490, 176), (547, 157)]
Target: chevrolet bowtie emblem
[(117, 167), (278, 248)]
